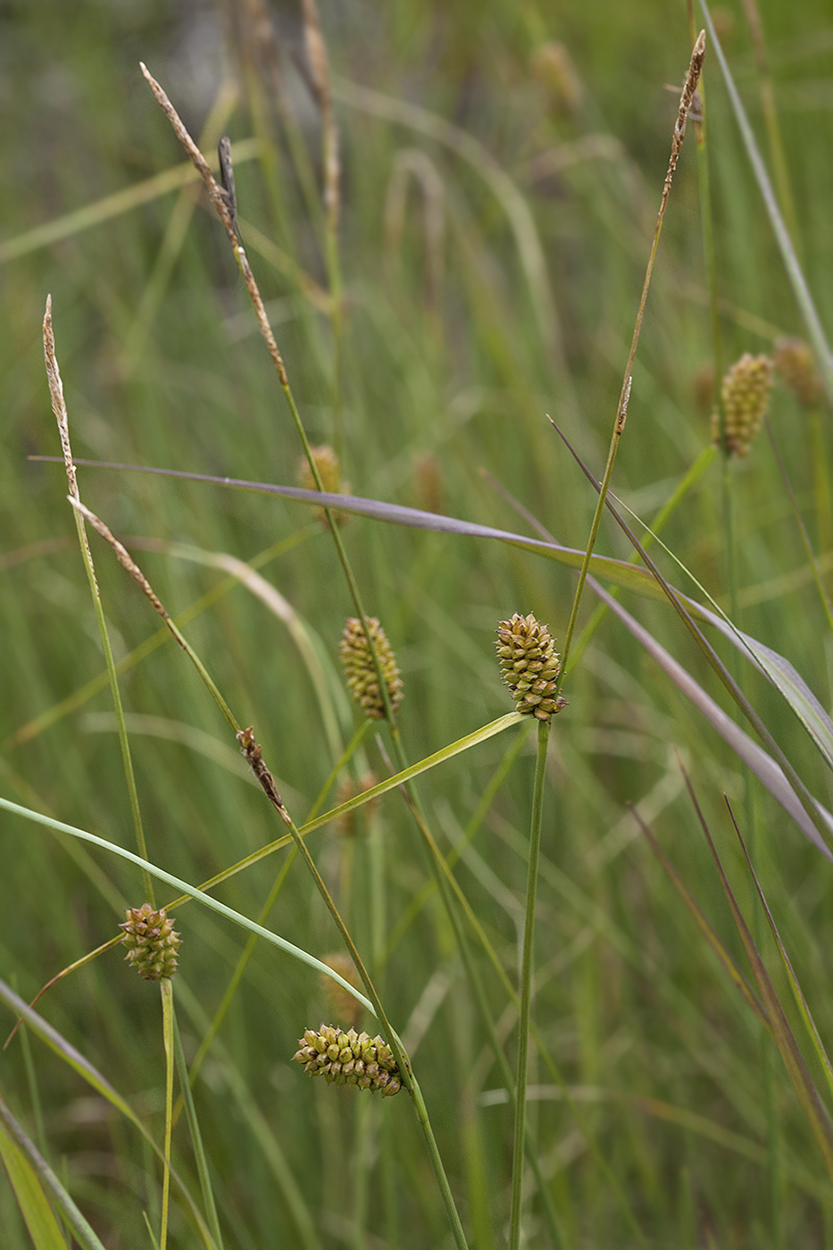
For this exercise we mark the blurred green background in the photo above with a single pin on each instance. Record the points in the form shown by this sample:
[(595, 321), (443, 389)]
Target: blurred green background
[(493, 243)]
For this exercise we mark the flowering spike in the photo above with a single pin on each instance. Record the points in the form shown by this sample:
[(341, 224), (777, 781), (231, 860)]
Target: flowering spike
[(349, 1058), (151, 942), (745, 393), (530, 665), (360, 671)]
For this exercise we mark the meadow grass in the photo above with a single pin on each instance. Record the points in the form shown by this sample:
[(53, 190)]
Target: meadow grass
[(471, 263)]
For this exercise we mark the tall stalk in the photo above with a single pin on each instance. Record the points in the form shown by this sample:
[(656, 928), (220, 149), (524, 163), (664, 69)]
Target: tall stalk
[(526, 986)]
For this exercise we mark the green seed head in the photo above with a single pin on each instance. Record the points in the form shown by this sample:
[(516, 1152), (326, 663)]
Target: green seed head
[(151, 942), (745, 393), (530, 664), (359, 669), (349, 1058)]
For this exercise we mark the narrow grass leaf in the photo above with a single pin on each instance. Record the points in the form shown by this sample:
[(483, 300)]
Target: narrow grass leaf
[(782, 1034), (191, 892), (774, 666), (798, 995), (703, 925), (645, 582), (74, 1059), (34, 1207)]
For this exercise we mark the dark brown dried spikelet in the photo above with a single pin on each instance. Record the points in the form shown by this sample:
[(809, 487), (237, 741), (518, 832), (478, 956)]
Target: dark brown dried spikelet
[(347, 825), (530, 664), (151, 942), (795, 362), (326, 461), (341, 1001), (745, 393), (360, 672), (349, 1058)]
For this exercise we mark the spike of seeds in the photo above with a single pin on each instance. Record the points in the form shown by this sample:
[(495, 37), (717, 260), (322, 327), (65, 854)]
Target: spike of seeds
[(349, 1058), (360, 672), (530, 665), (745, 392), (151, 942)]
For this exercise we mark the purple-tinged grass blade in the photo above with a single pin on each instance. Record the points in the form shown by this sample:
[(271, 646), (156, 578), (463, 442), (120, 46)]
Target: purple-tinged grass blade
[(801, 1001)]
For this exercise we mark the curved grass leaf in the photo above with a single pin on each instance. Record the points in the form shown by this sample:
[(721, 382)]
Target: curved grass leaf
[(74, 1059), (30, 1176), (191, 892), (782, 1034), (775, 667)]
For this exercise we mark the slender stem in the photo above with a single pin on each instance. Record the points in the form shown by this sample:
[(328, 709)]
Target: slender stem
[(56, 390), (196, 1138), (526, 987), (804, 299), (224, 210), (167, 988), (709, 253), (692, 79), (727, 479), (439, 1170)]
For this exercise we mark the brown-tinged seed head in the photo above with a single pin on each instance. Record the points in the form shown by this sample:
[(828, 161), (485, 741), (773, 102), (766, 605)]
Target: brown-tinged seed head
[(326, 461), (341, 1001), (429, 479), (553, 68), (360, 671), (151, 942), (703, 389), (347, 825), (795, 362)]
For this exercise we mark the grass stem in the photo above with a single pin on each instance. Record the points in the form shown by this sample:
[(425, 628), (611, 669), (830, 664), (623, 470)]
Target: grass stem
[(526, 987)]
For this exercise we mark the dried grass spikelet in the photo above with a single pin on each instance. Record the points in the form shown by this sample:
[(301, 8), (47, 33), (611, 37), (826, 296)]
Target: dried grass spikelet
[(529, 665), (347, 790), (151, 942), (795, 362), (359, 669), (342, 1004), (553, 68), (745, 392), (326, 461), (349, 1058)]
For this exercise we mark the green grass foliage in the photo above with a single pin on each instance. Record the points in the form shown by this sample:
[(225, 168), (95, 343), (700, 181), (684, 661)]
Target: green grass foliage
[(501, 171)]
